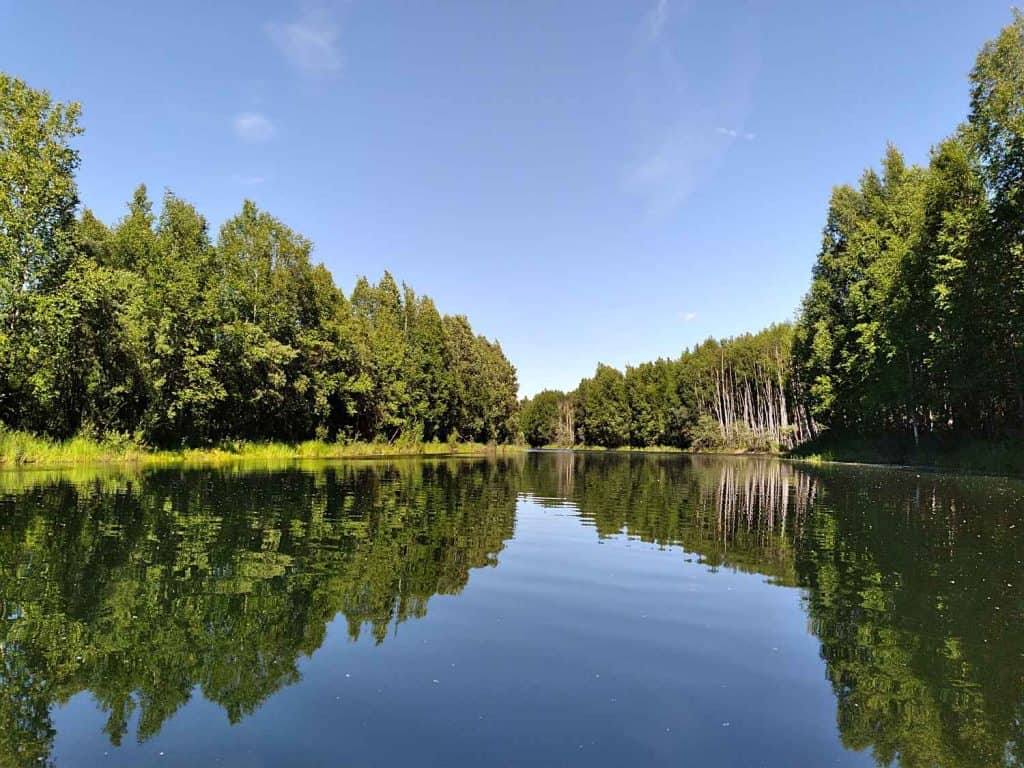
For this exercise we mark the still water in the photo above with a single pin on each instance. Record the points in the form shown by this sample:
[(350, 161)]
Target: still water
[(545, 609)]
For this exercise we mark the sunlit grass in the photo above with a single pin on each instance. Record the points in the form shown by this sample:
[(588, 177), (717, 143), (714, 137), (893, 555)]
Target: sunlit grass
[(21, 449)]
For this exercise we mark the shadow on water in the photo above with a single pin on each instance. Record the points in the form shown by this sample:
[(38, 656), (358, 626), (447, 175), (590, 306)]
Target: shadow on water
[(143, 589)]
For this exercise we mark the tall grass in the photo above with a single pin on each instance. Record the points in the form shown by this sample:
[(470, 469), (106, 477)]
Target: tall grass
[(24, 449), (723, 450), (18, 448)]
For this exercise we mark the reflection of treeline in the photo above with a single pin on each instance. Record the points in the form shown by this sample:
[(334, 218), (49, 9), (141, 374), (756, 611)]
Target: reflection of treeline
[(738, 514), (139, 591), (914, 584), (141, 588), (914, 590)]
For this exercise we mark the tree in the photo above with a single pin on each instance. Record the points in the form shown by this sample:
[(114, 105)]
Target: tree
[(38, 198), (425, 367), (996, 129), (539, 418), (270, 314), (603, 410), (146, 327), (174, 324), (38, 194), (914, 323)]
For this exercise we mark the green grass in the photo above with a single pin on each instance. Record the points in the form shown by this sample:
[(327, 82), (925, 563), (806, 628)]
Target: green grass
[(20, 449)]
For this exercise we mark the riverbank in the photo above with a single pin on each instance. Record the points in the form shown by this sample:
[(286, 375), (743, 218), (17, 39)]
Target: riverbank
[(23, 450), (20, 449), (998, 458), (989, 457)]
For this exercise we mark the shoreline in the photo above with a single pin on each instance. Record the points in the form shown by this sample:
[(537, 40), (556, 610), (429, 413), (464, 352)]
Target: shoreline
[(975, 459), (21, 451)]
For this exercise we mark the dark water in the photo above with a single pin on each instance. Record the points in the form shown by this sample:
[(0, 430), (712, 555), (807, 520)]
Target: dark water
[(546, 609)]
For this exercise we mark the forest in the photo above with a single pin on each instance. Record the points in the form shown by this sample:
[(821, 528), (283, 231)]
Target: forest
[(151, 329), (155, 330), (735, 394), (912, 329), (914, 322)]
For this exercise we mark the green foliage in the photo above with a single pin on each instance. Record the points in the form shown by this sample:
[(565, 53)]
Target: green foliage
[(602, 411), (729, 395), (914, 323), (38, 197), (484, 390), (149, 328), (539, 418)]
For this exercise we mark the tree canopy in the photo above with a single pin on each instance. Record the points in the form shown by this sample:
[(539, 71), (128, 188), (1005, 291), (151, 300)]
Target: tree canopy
[(153, 327), (914, 322)]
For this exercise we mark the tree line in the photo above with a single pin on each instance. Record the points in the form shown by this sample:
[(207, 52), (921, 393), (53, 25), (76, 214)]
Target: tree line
[(913, 325), (155, 329), (721, 395), (914, 322)]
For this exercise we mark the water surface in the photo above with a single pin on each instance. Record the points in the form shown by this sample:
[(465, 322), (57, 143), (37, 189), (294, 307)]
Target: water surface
[(546, 609)]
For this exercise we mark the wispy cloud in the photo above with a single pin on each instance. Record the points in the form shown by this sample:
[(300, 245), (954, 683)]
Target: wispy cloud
[(310, 43), (672, 165), (656, 19), (689, 317), (679, 156), (732, 133), (253, 127), (679, 105)]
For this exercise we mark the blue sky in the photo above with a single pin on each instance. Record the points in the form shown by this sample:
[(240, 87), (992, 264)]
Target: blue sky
[(587, 181)]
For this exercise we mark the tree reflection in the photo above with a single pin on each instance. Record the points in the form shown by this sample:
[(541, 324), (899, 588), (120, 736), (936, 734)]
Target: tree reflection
[(914, 592), (739, 514), (142, 590), (145, 588), (914, 585)]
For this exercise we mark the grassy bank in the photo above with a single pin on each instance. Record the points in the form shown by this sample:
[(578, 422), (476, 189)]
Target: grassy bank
[(993, 457), (20, 449), (665, 449)]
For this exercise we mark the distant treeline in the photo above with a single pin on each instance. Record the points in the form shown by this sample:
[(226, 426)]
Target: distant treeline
[(734, 394), (913, 327), (151, 328)]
